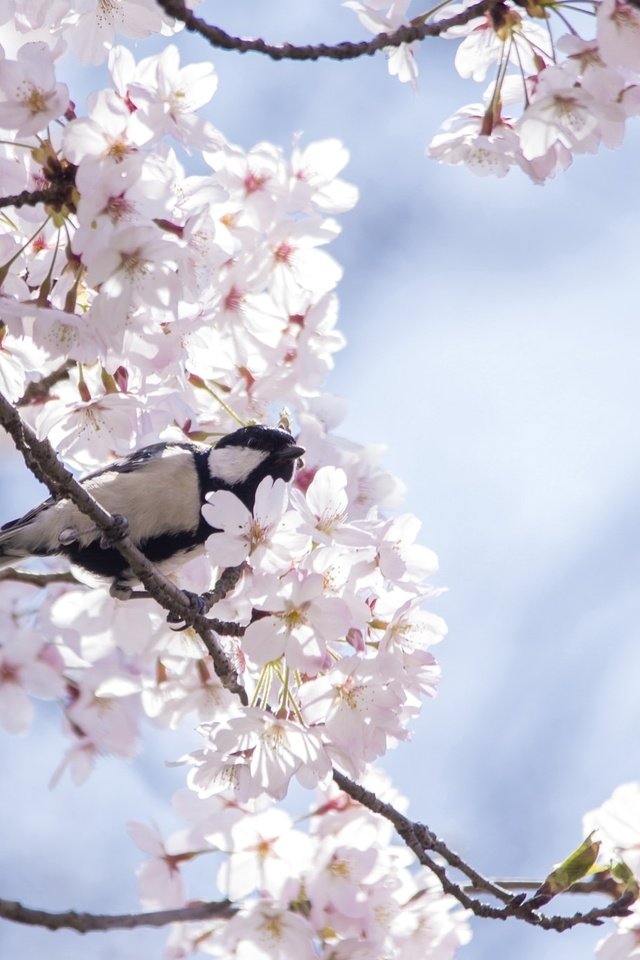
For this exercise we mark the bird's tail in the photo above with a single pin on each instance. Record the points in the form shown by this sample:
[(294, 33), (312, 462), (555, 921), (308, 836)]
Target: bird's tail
[(18, 539), (12, 546)]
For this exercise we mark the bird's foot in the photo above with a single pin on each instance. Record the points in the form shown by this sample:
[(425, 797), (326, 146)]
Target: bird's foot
[(119, 530), (198, 605), (121, 590)]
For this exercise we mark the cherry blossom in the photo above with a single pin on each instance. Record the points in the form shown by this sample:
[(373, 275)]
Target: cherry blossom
[(400, 557), (169, 97), (487, 148), (485, 41), (562, 105), (302, 621), (563, 113), (324, 506), (256, 753), (360, 704), (265, 534), (30, 95), (18, 358), (268, 933), (267, 854), (617, 826), (110, 133), (184, 686), (90, 430), (401, 59), (26, 671), (159, 880), (104, 707), (619, 34), (99, 22), (314, 184), (186, 301)]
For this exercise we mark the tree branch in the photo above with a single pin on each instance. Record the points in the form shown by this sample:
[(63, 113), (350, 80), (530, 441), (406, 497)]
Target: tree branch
[(88, 922), (42, 460), (419, 839), (55, 196), (36, 579), (321, 51), (225, 584)]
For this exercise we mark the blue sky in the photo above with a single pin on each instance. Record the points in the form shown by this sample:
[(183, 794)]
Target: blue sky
[(494, 349)]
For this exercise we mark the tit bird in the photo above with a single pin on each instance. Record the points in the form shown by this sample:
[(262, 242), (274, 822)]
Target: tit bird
[(160, 490)]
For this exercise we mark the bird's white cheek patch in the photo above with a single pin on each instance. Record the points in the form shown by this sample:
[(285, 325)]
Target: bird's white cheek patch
[(234, 464)]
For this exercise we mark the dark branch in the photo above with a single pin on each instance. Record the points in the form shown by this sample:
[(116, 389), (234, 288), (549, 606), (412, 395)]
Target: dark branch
[(87, 922), (420, 839), (321, 51), (60, 193), (31, 198)]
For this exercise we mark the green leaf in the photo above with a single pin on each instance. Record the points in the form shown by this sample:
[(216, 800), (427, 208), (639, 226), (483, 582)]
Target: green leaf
[(573, 868)]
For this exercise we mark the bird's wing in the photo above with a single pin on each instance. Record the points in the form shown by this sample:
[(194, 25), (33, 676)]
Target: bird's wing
[(28, 517), (134, 461), (157, 489)]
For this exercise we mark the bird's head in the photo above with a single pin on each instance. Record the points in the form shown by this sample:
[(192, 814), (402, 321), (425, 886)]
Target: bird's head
[(241, 460)]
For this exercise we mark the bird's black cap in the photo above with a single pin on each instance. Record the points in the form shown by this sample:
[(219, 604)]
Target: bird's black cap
[(258, 437)]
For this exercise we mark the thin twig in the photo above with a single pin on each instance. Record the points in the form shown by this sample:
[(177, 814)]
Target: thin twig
[(419, 839), (37, 579), (601, 884), (227, 581), (39, 389)]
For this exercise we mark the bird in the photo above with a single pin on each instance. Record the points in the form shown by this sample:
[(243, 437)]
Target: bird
[(160, 490)]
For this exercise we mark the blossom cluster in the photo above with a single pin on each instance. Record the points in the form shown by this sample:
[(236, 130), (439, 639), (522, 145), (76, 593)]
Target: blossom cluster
[(186, 303), (175, 286), (557, 89), (329, 884)]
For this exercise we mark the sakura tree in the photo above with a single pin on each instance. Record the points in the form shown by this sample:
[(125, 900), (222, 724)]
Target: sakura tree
[(160, 282)]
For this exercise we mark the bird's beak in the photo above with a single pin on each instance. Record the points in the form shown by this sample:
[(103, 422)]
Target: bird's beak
[(290, 453)]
